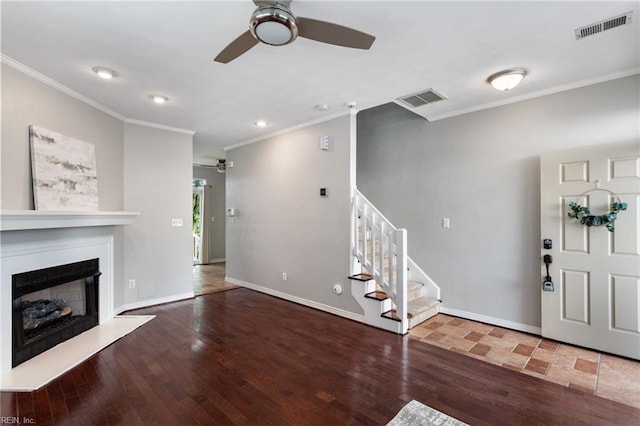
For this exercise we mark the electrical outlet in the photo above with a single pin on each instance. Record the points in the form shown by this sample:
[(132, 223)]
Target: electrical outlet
[(132, 283), (284, 276), (446, 223)]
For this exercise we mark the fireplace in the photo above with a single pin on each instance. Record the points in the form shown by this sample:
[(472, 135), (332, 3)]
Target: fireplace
[(33, 240), (52, 305)]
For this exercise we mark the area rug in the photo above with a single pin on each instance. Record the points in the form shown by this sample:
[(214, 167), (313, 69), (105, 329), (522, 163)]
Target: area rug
[(415, 413), (38, 371)]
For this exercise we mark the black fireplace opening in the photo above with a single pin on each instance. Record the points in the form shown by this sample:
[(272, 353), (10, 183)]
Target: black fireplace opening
[(52, 305)]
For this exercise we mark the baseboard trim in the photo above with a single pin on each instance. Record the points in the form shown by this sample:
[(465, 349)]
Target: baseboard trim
[(291, 298), (153, 302), (220, 260), (492, 320)]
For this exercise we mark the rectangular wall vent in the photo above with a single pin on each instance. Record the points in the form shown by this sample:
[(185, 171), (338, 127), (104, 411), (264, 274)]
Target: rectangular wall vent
[(605, 25), (419, 99)]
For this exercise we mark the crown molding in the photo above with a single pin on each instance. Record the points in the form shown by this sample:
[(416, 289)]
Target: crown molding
[(536, 94), (20, 67), (159, 126), (58, 86), (287, 130)]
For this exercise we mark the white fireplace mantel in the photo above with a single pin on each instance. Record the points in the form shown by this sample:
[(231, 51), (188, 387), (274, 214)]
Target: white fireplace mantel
[(19, 220)]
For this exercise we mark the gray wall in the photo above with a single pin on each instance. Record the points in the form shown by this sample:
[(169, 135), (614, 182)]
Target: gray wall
[(481, 170), (157, 175), (25, 102), (282, 223), (218, 195), (154, 158)]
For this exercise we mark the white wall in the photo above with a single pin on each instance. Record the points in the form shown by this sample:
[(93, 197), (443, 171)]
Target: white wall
[(481, 170), (157, 176), (282, 223), (218, 198)]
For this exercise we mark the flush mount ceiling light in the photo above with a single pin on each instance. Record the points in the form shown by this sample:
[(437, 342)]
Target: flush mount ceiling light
[(274, 25), (104, 73), (159, 99), (507, 79), (260, 123)]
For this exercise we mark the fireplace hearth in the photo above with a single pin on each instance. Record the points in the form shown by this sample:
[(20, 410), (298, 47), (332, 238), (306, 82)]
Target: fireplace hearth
[(52, 305)]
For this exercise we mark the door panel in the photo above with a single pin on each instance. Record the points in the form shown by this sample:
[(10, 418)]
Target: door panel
[(574, 239), (624, 168), (576, 292), (623, 289), (596, 302), (574, 172), (622, 245)]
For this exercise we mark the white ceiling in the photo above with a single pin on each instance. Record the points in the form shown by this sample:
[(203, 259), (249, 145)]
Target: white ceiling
[(168, 48)]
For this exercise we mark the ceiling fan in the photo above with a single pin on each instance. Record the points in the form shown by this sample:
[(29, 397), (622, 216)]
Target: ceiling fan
[(220, 166), (273, 23)]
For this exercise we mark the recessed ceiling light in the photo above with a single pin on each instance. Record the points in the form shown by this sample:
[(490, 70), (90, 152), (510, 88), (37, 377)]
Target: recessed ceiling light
[(104, 73), (260, 123), (507, 79), (322, 107), (159, 99)]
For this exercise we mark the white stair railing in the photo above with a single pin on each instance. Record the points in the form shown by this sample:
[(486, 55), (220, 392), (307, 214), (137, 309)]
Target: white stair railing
[(382, 250)]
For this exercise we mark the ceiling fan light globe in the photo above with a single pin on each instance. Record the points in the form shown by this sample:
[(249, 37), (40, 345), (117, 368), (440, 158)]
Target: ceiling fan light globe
[(273, 25), (273, 33)]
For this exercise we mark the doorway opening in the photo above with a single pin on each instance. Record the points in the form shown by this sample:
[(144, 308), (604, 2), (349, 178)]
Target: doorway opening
[(197, 223)]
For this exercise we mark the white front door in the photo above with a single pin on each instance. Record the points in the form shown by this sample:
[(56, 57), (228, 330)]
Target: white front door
[(595, 300)]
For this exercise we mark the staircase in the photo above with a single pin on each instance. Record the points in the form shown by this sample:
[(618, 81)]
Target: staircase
[(393, 291)]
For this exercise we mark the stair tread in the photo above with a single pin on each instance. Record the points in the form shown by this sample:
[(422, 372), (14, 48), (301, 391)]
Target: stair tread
[(421, 304), (378, 295), (361, 277), (414, 284), (391, 315)]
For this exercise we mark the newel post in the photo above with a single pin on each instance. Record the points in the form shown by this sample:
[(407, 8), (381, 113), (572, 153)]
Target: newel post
[(401, 274)]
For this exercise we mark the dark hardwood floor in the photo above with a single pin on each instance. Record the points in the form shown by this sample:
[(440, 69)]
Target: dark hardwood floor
[(241, 357)]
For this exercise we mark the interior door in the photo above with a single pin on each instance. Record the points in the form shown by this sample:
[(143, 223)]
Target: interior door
[(595, 300)]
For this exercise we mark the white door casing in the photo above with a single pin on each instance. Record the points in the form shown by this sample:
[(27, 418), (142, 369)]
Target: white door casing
[(596, 273)]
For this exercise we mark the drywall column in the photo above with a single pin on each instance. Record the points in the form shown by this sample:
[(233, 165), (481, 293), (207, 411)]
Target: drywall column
[(157, 175), (282, 223)]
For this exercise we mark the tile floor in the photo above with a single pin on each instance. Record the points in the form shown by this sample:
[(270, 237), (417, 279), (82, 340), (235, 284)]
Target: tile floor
[(210, 279), (604, 375)]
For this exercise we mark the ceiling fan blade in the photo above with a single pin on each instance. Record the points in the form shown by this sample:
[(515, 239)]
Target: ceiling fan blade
[(236, 48), (326, 32)]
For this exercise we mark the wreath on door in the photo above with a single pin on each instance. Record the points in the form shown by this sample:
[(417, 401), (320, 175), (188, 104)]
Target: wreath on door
[(583, 214)]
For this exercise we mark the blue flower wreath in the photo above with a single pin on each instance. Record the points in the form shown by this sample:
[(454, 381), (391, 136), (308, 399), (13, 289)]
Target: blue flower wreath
[(583, 214)]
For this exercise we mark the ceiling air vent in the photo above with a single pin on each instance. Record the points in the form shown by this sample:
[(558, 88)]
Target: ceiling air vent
[(605, 25), (418, 99)]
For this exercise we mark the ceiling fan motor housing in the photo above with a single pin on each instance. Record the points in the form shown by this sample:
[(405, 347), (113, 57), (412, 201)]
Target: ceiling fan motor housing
[(274, 25)]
